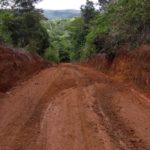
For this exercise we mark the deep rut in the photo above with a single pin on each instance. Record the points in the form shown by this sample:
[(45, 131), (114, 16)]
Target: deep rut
[(122, 135)]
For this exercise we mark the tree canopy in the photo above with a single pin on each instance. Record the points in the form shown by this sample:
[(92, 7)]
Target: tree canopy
[(21, 23), (121, 23)]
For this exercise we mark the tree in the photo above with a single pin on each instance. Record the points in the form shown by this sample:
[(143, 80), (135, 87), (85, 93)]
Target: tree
[(88, 11), (103, 3), (121, 23), (25, 25), (19, 4)]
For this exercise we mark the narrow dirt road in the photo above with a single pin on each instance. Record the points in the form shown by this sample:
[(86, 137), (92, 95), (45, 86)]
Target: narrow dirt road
[(70, 107)]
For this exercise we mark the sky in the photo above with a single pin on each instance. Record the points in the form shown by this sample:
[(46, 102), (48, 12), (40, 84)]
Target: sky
[(61, 4)]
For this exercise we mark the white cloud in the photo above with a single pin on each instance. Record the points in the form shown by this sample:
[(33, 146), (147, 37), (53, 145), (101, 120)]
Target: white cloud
[(61, 4)]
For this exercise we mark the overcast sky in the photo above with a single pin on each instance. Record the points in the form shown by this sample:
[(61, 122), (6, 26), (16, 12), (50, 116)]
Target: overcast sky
[(61, 4)]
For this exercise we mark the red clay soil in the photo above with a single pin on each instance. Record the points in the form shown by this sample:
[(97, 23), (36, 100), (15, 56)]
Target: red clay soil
[(16, 65), (70, 107), (132, 66)]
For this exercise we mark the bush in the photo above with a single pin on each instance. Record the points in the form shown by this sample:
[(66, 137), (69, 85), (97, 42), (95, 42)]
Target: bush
[(52, 55), (5, 35)]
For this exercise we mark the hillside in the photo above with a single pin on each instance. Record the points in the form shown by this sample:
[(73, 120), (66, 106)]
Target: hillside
[(61, 14)]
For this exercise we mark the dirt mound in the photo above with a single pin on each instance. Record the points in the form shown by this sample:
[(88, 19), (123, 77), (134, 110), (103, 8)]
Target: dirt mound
[(16, 65), (100, 61), (133, 66)]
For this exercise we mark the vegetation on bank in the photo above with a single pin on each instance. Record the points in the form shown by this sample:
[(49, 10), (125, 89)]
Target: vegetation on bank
[(116, 24), (20, 25)]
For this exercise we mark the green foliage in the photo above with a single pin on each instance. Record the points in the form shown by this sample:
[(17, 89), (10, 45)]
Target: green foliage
[(121, 23), (104, 3), (79, 29), (130, 20), (59, 38), (98, 28), (21, 25), (19, 4), (118, 23), (52, 55), (26, 31), (5, 35), (88, 11)]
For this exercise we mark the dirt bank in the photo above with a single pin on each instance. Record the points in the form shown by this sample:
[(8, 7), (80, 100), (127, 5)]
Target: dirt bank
[(132, 66), (16, 65)]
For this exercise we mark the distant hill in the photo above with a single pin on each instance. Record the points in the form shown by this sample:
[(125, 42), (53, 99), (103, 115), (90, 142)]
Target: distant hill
[(61, 14)]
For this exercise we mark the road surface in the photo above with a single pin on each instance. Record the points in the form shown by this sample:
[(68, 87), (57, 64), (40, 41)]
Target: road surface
[(70, 107)]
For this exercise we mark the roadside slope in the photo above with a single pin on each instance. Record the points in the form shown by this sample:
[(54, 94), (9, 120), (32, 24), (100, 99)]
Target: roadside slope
[(16, 65), (128, 65)]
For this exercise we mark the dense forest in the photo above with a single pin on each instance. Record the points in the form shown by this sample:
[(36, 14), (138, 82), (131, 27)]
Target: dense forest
[(104, 29), (20, 25)]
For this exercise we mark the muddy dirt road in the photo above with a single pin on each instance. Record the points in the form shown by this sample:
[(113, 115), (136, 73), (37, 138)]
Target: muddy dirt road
[(71, 107)]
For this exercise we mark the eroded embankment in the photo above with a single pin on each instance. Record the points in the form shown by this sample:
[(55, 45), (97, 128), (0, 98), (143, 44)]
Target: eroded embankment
[(16, 65), (132, 66)]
